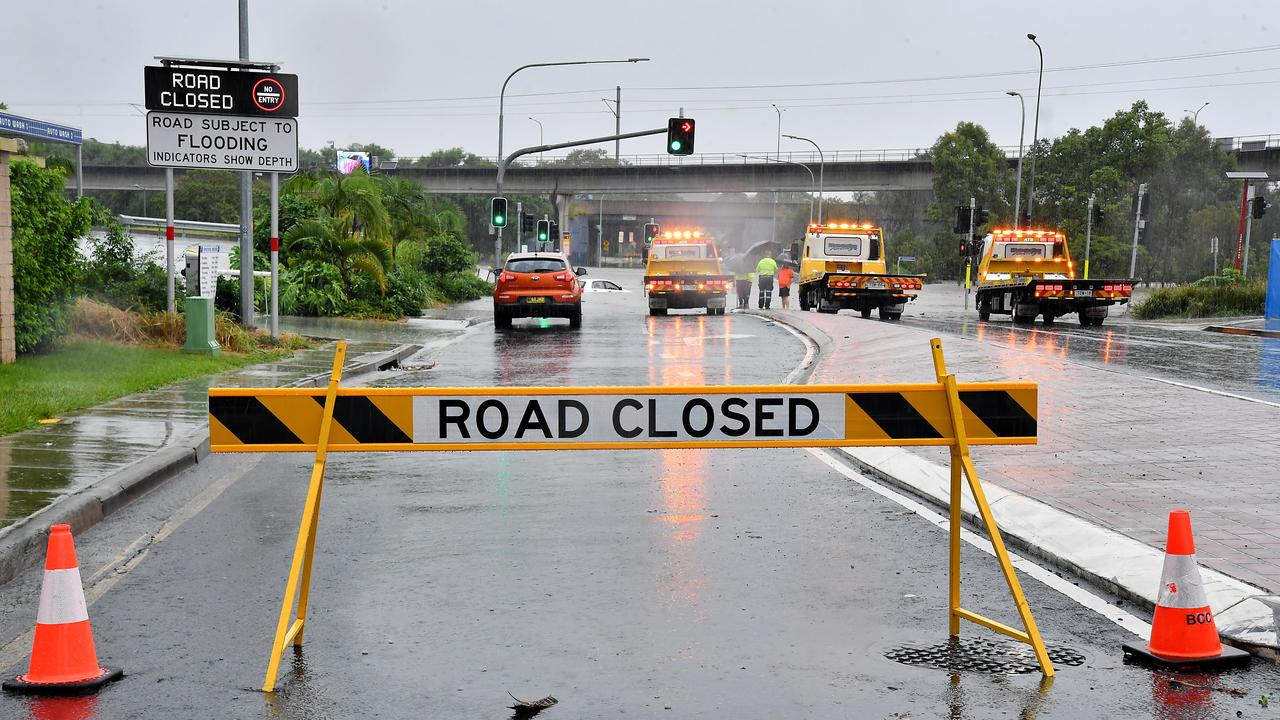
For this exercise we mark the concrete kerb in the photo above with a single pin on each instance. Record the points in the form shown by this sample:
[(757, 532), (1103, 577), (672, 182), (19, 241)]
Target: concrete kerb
[(22, 544), (1106, 558)]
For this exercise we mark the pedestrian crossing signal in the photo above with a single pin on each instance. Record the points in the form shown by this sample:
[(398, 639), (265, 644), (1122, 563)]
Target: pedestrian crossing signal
[(680, 136), (498, 212)]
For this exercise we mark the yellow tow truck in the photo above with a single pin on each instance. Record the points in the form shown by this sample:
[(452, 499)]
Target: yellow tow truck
[(683, 271), (842, 267), (1027, 273)]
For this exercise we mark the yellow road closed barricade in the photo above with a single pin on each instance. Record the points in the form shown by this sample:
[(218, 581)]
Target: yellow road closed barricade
[(335, 419)]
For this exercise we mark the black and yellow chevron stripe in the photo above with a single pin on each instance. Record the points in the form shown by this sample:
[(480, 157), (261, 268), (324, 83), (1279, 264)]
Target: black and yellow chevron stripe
[(921, 417)]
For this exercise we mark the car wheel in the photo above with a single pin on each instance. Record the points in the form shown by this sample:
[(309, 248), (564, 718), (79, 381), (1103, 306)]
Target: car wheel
[(575, 318), (501, 319)]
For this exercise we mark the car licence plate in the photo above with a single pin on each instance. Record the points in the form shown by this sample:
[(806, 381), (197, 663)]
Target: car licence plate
[(1084, 293), (875, 284), (535, 299)]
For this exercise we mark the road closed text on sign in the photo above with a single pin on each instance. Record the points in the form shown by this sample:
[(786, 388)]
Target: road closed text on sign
[(222, 141), (220, 91), (388, 419)]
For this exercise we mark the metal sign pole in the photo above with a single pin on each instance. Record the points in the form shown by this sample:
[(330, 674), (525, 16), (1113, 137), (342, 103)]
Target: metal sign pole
[(968, 256), (275, 256), (1248, 230), (168, 239)]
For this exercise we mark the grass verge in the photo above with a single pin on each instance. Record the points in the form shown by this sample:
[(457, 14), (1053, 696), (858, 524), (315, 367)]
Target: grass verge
[(85, 372), (1202, 300)]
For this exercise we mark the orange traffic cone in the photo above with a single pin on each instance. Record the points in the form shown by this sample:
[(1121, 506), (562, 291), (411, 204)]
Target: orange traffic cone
[(63, 659), (1183, 633)]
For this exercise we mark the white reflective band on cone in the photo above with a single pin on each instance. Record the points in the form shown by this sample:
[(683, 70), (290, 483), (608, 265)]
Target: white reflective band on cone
[(61, 598), (1180, 585)]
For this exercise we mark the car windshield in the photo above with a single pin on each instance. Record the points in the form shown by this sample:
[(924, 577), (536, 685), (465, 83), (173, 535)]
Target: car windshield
[(535, 265)]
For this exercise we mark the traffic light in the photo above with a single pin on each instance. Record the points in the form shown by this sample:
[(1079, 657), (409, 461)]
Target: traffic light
[(526, 222), (554, 232), (1259, 207), (544, 230), (650, 232), (1026, 220), (980, 217), (1098, 215), (962, 220), (680, 136), (498, 212)]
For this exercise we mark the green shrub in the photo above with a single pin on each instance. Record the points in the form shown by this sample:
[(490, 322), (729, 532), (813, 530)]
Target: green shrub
[(45, 259), (312, 288), (446, 254), (116, 275), (459, 286), (1203, 300)]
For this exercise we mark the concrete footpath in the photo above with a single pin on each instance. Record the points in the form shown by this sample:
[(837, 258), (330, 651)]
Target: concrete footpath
[(1116, 454), (93, 461)]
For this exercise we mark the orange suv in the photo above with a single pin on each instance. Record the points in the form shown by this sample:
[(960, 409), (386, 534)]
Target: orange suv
[(540, 285)]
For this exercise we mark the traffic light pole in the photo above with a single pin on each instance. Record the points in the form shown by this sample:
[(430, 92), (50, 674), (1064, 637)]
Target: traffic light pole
[(968, 256), (1248, 229), (1088, 235), (1137, 228)]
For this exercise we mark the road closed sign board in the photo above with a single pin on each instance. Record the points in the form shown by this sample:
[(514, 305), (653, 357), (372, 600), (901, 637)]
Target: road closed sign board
[(225, 142), (389, 419)]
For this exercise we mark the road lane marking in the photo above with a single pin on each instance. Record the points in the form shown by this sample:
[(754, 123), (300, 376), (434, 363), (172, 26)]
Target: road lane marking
[(15, 651), (1083, 597), (1214, 392)]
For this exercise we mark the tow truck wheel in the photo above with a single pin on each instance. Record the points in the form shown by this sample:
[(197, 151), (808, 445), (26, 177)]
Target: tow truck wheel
[(804, 300), (1048, 318), (890, 315), (1023, 319), (984, 315), (657, 311), (865, 312)]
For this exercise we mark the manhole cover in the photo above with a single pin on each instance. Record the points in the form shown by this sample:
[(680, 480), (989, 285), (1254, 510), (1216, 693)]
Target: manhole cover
[(981, 655)]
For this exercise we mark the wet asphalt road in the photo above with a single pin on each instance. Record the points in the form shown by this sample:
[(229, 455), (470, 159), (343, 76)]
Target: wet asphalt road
[(672, 583)]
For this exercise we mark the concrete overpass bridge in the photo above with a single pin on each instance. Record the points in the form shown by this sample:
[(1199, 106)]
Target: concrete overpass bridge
[(843, 171)]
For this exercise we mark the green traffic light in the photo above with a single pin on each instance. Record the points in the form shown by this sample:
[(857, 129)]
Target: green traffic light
[(499, 220), (675, 145)]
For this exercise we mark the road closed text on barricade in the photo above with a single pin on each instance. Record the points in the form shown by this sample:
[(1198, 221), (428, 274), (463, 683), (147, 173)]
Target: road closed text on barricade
[(390, 419)]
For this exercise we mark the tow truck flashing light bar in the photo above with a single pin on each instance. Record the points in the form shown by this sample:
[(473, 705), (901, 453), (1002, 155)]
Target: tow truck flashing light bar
[(821, 227), (681, 235), (608, 418)]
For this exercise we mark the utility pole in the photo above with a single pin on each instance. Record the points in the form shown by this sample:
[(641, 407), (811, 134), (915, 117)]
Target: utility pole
[(246, 203), (1137, 228), (1213, 247), (1088, 236), (968, 256), (617, 125), (519, 223)]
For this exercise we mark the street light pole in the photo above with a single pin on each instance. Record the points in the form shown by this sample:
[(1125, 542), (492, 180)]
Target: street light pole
[(1022, 130), (540, 140), (822, 163), (1035, 132), (502, 99), (1195, 115), (812, 177), (778, 152)]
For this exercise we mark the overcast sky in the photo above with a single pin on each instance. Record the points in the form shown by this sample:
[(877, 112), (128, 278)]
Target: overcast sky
[(850, 75)]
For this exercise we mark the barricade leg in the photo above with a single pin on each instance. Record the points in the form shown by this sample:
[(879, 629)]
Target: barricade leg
[(299, 582), (960, 453)]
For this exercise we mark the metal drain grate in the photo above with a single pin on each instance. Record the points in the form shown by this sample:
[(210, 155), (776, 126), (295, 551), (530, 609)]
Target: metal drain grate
[(1004, 657)]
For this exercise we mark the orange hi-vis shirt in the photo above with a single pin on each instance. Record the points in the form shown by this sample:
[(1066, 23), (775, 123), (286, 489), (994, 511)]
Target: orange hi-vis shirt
[(785, 275)]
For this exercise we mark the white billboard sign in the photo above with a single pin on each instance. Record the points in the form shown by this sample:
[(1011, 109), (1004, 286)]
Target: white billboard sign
[(222, 142)]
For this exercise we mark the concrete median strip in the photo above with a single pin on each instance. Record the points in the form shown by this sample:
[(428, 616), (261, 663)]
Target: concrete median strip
[(1247, 616), (22, 543)]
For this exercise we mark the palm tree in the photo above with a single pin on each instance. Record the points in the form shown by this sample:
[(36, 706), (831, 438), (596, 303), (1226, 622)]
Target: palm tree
[(329, 240)]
